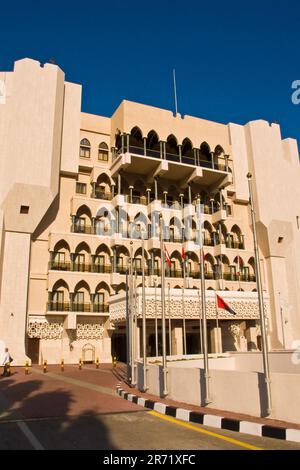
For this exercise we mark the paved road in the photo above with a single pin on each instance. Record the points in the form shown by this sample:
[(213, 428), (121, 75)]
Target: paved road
[(80, 410)]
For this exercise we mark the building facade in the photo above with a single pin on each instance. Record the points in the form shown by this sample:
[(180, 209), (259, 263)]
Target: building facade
[(78, 192)]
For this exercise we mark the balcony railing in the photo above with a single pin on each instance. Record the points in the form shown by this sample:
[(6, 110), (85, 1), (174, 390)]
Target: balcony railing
[(60, 266), (102, 195), (235, 245), (99, 268), (77, 307), (208, 242), (87, 229), (174, 158), (100, 308), (58, 306), (81, 267)]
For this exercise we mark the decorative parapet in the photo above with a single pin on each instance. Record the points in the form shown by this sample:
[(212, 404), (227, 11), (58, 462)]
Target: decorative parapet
[(42, 328), (89, 331), (178, 306)]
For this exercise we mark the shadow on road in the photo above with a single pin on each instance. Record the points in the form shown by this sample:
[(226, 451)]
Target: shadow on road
[(47, 416)]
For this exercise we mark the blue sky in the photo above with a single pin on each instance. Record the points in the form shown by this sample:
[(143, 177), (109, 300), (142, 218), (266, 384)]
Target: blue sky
[(234, 60)]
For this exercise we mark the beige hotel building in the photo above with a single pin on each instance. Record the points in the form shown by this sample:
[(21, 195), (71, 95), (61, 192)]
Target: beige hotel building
[(77, 193)]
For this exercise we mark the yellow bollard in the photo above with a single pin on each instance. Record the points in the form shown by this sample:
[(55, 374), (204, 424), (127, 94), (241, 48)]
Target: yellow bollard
[(114, 361), (80, 364), (45, 367), (97, 362), (62, 365), (26, 368)]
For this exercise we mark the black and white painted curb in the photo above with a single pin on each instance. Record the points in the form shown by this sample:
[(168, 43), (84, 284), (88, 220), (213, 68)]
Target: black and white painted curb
[(246, 427)]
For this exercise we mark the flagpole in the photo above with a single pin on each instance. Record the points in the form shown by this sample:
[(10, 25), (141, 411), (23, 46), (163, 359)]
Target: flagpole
[(183, 311), (163, 317), (203, 299), (144, 316), (217, 325), (156, 330), (175, 92), (128, 332), (134, 330), (260, 302), (170, 330), (132, 336), (200, 324)]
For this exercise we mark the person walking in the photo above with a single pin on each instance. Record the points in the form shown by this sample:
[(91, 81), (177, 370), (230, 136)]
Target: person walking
[(6, 363)]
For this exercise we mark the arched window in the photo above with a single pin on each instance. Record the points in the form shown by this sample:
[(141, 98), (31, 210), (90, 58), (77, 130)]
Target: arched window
[(136, 143), (85, 148), (103, 152), (204, 154), (172, 151), (187, 152)]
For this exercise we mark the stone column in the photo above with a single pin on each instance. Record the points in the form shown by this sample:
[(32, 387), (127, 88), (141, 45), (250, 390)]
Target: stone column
[(164, 150), (165, 197), (190, 194), (119, 183), (93, 225), (195, 156), (127, 142), (180, 152), (216, 340), (226, 162), (114, 260), (73, 217), (177, 340), (130, 194), (72, 257), (122, 145), (145, 145), (148, 191), (251, 336), (94, 184), (161, 149), (155, 189), (212, 159), (113, 190)]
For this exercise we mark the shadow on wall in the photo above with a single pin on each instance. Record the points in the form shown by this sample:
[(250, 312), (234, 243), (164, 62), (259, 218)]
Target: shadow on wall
[(60, 430)]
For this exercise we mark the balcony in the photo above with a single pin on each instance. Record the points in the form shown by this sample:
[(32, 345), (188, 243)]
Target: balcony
[(100, 308), (179, 170), (88, 267), (101, 195), (77, 307), (59, 266), (86, 229), (58, 306), (235, 245)]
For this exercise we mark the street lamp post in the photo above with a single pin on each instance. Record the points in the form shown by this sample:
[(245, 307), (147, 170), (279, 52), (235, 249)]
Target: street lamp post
[(260, 301)]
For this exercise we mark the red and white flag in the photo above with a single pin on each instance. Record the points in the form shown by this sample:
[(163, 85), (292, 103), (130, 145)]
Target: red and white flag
[(222, 304), (167, 257)]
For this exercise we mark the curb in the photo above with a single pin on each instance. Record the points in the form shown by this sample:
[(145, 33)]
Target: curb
[(214, 421)]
